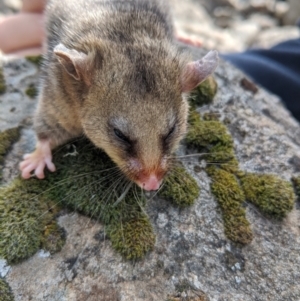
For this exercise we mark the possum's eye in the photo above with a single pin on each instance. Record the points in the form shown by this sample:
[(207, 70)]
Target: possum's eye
[(121, 136)]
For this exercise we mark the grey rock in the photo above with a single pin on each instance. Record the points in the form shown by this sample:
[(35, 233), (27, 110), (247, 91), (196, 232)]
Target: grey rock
[(4, 268), (293, 14), (263, 21), (9, 6), (272, 36)]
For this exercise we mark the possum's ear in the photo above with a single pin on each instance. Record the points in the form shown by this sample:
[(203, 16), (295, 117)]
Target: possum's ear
[(196, 72), (77, 64)]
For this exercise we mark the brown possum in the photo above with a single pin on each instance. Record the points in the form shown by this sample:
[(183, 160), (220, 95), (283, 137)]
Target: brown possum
[(112, 71)]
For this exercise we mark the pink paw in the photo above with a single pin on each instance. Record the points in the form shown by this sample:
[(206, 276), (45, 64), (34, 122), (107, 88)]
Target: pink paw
[(37, 161)]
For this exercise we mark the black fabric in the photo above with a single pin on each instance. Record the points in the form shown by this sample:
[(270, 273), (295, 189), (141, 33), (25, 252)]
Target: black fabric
[(277, 69)]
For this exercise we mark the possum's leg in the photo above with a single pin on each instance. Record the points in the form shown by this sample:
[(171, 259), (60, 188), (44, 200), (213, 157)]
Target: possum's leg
[(50, 134)]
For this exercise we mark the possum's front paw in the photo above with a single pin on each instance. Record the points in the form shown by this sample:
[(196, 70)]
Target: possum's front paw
[(37, 161)]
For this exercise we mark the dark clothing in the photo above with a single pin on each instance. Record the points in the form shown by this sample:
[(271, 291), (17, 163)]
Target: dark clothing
[(277, 69)]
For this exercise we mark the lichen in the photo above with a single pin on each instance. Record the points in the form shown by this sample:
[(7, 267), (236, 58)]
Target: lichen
[(204, 93), (272, 195), (31, 91), (180, 188), (230, 197), (185, 292), (5, 291), (2, 82), (37, 60), (7, 138)]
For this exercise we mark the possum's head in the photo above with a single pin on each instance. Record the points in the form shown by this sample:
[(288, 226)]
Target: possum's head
[(135, 106)]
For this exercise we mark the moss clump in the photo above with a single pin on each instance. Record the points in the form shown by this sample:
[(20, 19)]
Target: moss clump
[(204, 93), (230, 197), (5, 291), (212, 138), (23, 216), (180, 188), (133, 238), (2, 82), (31, 91), (7, 138), (272, 195), (37, 60), (296, 182), (85, 181)]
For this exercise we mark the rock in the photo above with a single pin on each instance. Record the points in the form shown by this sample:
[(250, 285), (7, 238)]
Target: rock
[(293, 13), (9, 6), (245, 31), (272, 36), (281, 9), (263, 21), (230, 31), (223, 16)]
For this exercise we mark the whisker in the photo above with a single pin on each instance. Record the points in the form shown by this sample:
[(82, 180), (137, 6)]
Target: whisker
[(122, 196)]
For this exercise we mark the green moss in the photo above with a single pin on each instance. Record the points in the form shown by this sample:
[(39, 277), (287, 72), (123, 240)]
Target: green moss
[(7, 138), (180, 188), (296, 182), (204, 93), (54, 237), (209, 116), (31, 91), (272, 195), (86, 183), (212, 138), (5, 291), (133, 239), (37, 60), (2, 82), (230, 198), (23, 216)]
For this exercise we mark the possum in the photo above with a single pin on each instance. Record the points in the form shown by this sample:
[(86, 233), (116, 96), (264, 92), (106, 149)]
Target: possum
[(113, 72)]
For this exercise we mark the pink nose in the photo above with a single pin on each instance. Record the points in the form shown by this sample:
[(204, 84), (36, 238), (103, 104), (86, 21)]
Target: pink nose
[(152, 183)]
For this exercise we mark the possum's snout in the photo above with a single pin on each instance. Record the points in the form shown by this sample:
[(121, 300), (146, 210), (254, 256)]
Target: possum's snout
[(150, 183), (147, 176)]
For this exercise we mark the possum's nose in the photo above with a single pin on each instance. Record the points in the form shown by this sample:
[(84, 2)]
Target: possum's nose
[(151, 183), (147, 177)]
